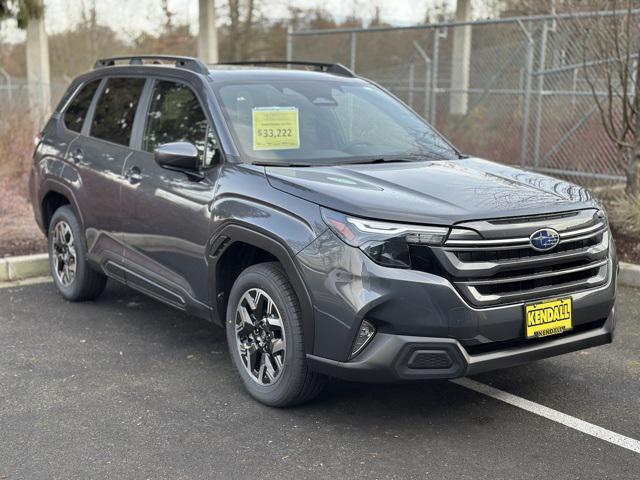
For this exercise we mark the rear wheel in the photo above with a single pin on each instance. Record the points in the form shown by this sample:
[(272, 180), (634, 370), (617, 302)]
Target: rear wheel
[(264, 334), (75, 280)]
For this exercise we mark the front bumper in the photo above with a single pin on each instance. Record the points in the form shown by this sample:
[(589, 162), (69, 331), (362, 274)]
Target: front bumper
[(390, 358), (347, 287)]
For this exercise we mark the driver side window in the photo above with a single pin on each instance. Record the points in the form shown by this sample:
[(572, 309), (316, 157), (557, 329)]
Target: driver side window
[(175, 115)]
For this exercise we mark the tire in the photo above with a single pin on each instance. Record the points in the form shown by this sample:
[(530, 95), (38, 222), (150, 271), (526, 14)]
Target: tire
[(294, 382), (67, 247)]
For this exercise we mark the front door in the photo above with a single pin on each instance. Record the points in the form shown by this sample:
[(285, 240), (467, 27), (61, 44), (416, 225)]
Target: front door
[(166, 213)]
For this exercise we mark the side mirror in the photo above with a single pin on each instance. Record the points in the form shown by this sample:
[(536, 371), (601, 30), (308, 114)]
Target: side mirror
[(181, 156)]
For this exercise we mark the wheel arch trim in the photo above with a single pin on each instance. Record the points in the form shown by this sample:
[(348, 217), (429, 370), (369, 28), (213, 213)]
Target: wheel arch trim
[(52, 185), (232, 233)]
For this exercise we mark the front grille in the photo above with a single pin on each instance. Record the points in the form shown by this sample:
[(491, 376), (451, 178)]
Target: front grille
[(526, 252), (536, 282), (492, 263)]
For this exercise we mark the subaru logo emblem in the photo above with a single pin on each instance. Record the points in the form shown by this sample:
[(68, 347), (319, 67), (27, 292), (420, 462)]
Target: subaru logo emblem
[(544, 239)]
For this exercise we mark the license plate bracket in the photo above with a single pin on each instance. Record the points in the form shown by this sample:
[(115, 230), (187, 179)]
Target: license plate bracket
[(549, 317)]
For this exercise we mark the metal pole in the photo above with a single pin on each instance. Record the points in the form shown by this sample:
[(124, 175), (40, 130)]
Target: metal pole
[(434, 75), (352, 61), (7, 78), (289, 43), (540, 87), (635, 81), (524, 137), (427, 77), (412, 72), (574, 87), (427, 86)]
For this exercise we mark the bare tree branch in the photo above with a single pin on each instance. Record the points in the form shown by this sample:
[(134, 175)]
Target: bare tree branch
[(612, 42)]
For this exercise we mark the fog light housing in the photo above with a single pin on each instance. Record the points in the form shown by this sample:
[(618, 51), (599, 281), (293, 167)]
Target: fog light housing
[(363, 337)]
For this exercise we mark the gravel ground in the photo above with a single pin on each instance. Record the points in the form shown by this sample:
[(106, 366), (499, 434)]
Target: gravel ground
[(19, 234)]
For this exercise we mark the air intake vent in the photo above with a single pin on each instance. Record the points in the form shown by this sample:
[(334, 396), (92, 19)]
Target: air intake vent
[(429, 359)]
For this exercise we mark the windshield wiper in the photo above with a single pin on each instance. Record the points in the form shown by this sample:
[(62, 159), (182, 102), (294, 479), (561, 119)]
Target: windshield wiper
[(375, 160), (334, 164), (283, 164), (354, 161)]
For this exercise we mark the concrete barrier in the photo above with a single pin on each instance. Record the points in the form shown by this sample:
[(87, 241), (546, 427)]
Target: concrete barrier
[(629, 274), (22, 267)]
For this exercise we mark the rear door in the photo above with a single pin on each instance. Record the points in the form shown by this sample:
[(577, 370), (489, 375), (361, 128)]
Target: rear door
[(59, 136), (99, 156), (166, 227)]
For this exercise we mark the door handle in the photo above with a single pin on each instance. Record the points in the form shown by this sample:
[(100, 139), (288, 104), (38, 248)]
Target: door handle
[(77, 156), (134, 175)]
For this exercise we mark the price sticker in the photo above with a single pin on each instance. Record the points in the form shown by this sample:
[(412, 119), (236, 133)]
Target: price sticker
[(275, 128)]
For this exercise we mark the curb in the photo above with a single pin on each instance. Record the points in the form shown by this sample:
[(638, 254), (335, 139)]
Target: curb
[(29, 266), (629, 275), (22, 267)]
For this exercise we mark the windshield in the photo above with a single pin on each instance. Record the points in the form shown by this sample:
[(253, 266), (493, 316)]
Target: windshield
[(316, 122)]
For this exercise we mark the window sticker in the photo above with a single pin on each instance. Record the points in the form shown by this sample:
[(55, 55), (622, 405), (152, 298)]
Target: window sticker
[(275, 128)]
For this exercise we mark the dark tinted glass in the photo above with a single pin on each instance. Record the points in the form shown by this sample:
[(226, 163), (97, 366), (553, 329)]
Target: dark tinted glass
[(77, 110), (174, 115), (116, 108)]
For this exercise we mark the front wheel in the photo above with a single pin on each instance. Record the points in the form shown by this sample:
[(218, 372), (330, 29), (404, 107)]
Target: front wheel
[(264, 334)]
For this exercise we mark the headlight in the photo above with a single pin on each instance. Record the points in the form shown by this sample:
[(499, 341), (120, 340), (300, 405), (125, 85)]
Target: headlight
[(603, 215), (385, 243)]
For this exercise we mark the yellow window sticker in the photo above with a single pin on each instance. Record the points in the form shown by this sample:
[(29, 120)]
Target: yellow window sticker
[(275, 128)]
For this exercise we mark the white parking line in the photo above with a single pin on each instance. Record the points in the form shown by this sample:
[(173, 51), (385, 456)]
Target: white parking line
[(551, 414)]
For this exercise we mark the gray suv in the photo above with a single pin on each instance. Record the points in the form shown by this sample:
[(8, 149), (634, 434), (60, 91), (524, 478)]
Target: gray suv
[(321, 221)]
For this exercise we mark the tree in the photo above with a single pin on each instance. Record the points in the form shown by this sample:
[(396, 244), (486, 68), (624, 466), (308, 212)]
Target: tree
[(29, 15), (242, 17), (611, 61), (21, 10), (170, 38)]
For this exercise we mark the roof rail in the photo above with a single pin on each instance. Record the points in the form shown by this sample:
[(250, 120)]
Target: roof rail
[(188, 63), (336, 68)]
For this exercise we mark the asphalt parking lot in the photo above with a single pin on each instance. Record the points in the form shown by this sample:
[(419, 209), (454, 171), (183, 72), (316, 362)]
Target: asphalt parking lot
[(125, 387)]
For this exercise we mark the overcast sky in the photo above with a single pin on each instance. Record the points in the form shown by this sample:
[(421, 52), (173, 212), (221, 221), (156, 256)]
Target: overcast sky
[(130, 17)]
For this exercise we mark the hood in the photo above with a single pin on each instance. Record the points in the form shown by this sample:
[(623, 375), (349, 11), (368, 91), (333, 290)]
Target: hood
[(440, 192)]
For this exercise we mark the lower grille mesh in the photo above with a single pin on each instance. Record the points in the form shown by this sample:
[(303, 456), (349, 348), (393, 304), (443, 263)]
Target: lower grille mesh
[(536, 283), (429, 360)]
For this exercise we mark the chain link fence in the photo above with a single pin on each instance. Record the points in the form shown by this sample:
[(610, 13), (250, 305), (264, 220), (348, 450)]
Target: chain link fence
[(16, 95), (520, 96), (526, 100)]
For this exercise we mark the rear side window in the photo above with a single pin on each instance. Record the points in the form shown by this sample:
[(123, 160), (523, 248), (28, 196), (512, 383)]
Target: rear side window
[(77, 110), (116, 109), (175, 115)]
